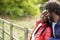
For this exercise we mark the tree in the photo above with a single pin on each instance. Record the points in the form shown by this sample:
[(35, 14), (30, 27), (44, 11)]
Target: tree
[(21, 8)]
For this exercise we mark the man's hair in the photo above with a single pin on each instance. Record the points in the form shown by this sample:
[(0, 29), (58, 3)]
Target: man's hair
[(53, 6)]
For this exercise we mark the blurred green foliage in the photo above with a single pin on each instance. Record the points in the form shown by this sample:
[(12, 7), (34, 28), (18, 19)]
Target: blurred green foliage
[(21, 8)]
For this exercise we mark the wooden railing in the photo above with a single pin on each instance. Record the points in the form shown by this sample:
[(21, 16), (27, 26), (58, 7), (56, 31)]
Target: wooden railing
[(12, 37)]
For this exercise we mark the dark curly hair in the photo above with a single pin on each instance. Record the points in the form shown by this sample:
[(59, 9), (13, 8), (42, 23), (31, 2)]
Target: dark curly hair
[(53, 6)]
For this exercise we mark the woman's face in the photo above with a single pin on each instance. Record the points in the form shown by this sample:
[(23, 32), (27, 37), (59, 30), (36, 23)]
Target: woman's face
[(44, 16)]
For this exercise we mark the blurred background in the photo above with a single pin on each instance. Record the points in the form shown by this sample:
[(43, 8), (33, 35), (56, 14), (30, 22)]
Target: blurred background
[(21, 12)]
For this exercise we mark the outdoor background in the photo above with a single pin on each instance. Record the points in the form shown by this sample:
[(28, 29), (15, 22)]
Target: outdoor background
[(21, 12)]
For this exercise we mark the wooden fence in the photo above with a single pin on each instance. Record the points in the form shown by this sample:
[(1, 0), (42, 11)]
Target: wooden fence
[(25, 30)]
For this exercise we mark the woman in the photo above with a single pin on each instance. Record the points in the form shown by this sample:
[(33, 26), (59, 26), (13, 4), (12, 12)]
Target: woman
[(42, 30)]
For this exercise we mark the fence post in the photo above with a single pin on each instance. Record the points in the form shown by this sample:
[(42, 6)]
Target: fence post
[(2, 30), (11, 32), (25, 33)]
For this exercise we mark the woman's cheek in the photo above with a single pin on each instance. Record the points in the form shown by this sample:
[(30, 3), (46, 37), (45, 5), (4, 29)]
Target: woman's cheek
[(44, 18)]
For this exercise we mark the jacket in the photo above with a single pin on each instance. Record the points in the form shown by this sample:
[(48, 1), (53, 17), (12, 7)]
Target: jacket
[(45, 35)]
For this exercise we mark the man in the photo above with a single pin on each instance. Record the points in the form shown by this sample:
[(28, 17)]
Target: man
[(53, 8)]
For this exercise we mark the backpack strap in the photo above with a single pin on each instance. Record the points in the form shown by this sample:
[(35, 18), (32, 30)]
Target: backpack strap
[(43, 30), (39, 26)]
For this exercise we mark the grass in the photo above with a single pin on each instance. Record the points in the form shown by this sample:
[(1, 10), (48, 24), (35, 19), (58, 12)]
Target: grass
[(29, 23)]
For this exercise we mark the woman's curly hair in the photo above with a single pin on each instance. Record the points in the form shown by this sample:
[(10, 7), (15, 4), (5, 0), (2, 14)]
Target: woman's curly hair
[(53, 6)]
